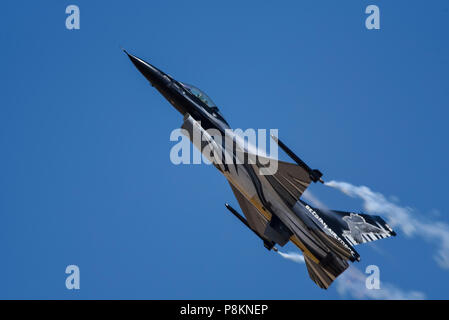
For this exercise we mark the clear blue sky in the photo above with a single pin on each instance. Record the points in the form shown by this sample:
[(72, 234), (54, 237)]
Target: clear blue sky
[(85, 175)]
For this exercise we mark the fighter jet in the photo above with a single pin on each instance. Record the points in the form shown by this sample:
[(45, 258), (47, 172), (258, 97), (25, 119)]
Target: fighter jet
[(270, 200)]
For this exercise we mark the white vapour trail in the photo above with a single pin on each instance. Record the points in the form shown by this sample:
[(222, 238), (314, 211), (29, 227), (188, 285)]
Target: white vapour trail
[(353, 283), (401, 217), (307, 195), (293, 256)]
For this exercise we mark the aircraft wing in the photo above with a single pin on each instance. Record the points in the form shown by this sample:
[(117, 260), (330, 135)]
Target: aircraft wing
[(256, 221), (268, 228), (293, 178), (290, 180)]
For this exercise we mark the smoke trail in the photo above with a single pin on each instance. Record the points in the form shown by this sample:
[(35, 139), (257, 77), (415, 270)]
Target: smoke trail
[(401, 217), (307, 195), (352, 283), (293, 256)]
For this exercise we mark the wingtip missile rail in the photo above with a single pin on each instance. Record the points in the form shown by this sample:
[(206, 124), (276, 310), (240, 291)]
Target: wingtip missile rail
[(315, 174), (267, 244)]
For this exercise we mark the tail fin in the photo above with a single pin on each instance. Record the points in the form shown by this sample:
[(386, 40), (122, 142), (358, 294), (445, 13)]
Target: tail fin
[(362, 228), (351, 228), (327, 271)]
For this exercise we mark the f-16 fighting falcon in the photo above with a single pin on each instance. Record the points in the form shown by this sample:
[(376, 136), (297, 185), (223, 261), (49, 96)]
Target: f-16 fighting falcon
[(271, 201)]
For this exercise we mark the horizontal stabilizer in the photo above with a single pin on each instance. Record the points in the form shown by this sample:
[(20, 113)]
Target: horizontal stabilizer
[(327, 271)]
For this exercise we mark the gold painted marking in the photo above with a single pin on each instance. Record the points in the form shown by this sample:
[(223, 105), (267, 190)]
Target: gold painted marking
[(301, 247), (265, 213)]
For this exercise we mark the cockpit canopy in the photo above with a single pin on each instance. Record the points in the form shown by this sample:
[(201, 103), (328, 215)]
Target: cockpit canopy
[(200, 95), (213, 109)]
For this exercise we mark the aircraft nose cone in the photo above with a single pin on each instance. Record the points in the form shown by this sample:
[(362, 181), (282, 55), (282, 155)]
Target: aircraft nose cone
[(153, 74)]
